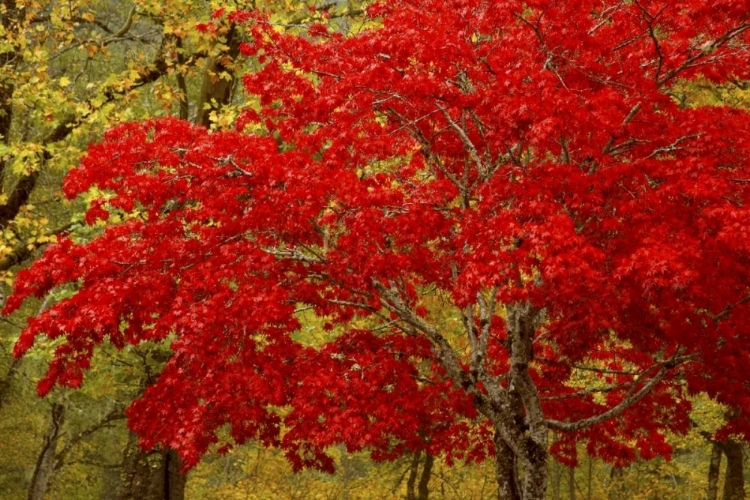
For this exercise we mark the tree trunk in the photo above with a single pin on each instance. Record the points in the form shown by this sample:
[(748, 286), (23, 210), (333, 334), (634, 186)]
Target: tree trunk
[(174, 479), (424, 480), (714, 466), (505, 471), (572, 483), (617, 490), (150, 475), (5, 384), (218, 79), (556, 480), (734, 481), (531, 446), (413, 471), (422, 491), (45, 463)]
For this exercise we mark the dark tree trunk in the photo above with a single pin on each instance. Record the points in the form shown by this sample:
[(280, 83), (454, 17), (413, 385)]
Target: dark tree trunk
[(714, 466), (505, 471), (734, 481), (412, 480), (572, 483), (424, 479), (150, 475), (45, 463), (422, 491), (174, 479)]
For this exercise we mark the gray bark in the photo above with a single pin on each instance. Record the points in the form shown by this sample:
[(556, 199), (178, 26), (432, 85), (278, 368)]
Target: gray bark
[(522, 323), (506, 472)]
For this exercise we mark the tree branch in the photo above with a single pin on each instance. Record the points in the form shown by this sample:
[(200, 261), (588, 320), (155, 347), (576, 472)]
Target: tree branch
[(631, 398)]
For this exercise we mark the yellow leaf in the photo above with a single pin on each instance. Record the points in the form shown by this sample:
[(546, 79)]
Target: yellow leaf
[(65, 81)]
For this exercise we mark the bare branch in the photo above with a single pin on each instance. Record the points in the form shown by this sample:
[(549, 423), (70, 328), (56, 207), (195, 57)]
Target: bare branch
[(650, 21), (294, 254), (706, 50), (674, 146), (470, 148), (586, 392), (723, 314), (631, 398)]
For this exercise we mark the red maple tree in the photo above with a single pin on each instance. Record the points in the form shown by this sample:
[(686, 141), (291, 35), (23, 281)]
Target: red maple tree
[(499, 209)]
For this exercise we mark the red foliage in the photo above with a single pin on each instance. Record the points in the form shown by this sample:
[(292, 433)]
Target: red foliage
[(529, 152)]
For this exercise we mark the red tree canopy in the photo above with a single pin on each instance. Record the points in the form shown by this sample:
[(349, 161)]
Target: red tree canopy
[(498, 208)]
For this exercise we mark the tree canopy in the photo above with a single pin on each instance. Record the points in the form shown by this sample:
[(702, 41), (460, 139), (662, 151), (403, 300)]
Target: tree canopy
[(504, 220)]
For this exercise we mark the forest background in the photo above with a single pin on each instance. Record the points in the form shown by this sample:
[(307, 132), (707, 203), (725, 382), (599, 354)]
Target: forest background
[(69, 71)]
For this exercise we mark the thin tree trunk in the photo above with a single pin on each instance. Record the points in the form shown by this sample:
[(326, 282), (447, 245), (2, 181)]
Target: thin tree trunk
[(413, 472), (45, 463), (424, 479), (556, 480), (617, 489), (714, 466), (734, 481), (572, 483), (5, 383)]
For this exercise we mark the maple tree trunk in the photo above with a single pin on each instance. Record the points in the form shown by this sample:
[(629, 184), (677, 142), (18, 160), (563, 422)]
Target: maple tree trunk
[(534, 465), (534, 439), (506, 473), (714, 467), (734, 481), (45, 464)]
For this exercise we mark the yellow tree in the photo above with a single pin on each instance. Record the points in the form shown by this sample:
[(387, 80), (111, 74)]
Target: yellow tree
[(68, 71)]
